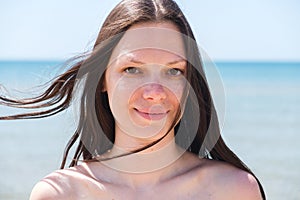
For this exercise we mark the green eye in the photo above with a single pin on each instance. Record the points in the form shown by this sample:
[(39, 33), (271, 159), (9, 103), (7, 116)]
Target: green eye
[(175, 72), (132, 70)]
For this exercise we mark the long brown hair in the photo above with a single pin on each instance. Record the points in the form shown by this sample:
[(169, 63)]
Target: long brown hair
[(94, 108)]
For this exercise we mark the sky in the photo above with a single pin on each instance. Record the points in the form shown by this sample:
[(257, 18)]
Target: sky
[(231, 30)]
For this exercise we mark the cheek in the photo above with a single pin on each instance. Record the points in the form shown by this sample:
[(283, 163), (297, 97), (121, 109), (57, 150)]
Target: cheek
[(175, 89), (122, 89), (120, 93), (178, 93)]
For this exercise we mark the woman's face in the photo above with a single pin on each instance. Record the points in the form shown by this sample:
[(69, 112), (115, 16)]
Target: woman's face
[(145, 79)]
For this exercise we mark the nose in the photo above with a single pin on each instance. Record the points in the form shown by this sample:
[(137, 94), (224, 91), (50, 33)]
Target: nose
[(154, 92)]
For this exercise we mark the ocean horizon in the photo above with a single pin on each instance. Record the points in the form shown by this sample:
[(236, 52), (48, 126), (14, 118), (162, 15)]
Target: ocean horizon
[(261, 125)]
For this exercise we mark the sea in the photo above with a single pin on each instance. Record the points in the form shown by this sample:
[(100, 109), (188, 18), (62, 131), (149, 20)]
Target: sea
[(260, 109)]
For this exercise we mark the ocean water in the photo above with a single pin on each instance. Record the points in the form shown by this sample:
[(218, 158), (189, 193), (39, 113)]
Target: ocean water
[(261, 125)]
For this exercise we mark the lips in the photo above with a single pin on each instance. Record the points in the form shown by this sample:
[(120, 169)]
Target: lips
[(152, 115)]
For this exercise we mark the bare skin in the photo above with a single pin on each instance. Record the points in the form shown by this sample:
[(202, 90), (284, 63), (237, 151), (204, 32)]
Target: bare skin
[(200, 179), (152, 81)]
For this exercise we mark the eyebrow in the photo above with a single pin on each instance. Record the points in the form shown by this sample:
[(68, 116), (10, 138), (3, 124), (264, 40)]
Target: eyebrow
[(133, 60)]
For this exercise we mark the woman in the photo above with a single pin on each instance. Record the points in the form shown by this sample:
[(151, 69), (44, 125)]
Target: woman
[(147, 127)]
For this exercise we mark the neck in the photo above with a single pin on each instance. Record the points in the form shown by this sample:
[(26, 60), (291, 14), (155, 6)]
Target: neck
[(146, 170), (149, 166), (149, 159)]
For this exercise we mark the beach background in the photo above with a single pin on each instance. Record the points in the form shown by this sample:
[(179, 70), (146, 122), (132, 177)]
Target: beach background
[(261, 125), (255, 46)]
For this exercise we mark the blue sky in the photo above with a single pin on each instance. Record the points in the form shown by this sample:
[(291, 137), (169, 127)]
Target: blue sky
[(252, 30)]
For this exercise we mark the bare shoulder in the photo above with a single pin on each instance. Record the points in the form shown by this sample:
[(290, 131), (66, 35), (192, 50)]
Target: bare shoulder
[(53, 186), (231, 182), (71, 183)]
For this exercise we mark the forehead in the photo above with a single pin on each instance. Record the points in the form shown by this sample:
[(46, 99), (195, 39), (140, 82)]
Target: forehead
[(162, 37), (150, 56)]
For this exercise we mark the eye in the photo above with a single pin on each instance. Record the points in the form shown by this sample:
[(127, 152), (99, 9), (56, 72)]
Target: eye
[(175, 72), (132, 70)]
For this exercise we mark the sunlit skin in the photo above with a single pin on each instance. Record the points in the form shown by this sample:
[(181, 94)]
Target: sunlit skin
[(145, 96), (146, 87)]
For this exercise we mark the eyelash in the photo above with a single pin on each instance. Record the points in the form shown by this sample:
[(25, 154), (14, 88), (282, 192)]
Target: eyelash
[(126, 70), (178, 70)]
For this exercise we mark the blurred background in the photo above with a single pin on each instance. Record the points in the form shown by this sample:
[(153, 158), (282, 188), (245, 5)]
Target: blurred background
[(255, 48)]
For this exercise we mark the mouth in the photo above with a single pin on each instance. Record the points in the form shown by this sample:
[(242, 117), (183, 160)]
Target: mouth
[(152, 115)]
